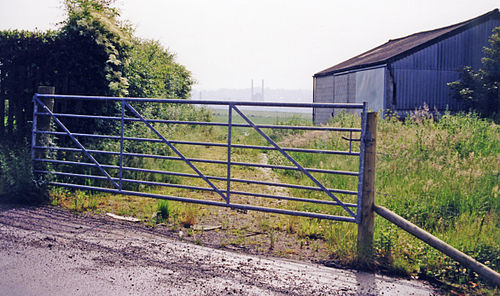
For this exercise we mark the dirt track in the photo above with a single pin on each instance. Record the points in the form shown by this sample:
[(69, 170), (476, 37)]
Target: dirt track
[(50, 251)]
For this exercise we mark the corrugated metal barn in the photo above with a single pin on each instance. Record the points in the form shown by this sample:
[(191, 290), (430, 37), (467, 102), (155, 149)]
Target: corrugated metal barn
[(403, 74)]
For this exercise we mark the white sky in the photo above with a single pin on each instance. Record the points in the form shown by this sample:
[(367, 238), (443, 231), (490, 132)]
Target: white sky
[(226, 43)]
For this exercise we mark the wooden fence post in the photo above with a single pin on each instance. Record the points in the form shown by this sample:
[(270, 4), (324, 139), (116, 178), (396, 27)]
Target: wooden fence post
[(366, 226), (43, 122)]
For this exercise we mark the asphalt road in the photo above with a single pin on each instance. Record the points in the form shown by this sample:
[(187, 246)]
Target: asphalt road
[(50, 251)]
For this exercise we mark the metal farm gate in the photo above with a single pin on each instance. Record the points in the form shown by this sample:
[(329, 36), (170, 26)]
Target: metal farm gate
[(64, 146), (53, 140)]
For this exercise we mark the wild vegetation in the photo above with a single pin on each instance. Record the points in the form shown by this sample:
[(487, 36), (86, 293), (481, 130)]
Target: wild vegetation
[(18, 184), (480, 88)]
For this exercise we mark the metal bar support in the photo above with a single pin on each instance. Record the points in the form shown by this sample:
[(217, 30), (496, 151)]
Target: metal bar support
[(313, 128), (341, 191), (364, 120), (211, 102), (33, 129), (110, 137), (279, 197), (233, 163), (229, 134), (350, 141), (122, 123)]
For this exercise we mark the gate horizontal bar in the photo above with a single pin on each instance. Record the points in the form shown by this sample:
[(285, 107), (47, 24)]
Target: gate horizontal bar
[(349, 192), (208, 102), (312, 170), (204, 143), (316, 201), (209, 202), (234, 192), (315, 128)]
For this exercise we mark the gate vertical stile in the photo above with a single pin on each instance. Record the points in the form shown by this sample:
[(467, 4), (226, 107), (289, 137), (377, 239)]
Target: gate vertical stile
[(364, 119), (33, 129), (42, 123), (122, 123), (229, 134)]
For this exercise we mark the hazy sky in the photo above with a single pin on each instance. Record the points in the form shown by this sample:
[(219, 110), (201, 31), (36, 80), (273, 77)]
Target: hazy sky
[(226, 43)]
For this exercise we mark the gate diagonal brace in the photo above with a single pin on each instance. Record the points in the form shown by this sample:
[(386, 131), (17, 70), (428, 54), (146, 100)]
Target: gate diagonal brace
[(304, 171), (171, 146), (66, 130)]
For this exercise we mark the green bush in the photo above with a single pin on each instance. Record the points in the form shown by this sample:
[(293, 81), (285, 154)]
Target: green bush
[(18, 184)]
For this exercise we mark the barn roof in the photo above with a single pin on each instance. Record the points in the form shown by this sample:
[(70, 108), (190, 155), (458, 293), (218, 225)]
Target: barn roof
[(395, 49)]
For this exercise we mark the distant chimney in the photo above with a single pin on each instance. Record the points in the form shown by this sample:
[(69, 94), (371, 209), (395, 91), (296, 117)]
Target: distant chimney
[(262, 94), (251, 94)]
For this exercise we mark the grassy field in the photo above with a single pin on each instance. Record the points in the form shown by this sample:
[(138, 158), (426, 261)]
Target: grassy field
[(262, 117), (442, 175)]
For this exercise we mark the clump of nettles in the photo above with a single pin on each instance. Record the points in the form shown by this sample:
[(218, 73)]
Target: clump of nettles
[(163, 211), (18, 184)]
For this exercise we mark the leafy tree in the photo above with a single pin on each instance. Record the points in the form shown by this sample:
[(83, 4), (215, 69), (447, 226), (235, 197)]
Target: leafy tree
[(480, 89), (92, 53), (22, 56), (153, 72), (127, 65), (95, 46)]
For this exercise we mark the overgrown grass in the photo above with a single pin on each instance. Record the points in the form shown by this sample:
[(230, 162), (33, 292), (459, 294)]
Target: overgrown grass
[(18, 184), (444, 176)]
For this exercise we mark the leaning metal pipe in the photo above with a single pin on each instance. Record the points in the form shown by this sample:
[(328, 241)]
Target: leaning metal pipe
[(467, 261)]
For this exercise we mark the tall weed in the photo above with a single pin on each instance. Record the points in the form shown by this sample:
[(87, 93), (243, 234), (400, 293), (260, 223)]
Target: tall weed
[(18, 184)]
